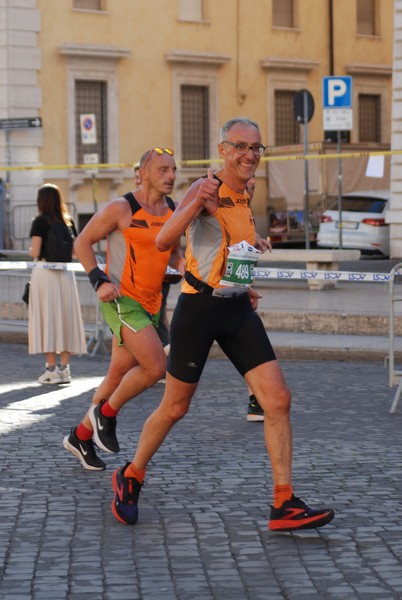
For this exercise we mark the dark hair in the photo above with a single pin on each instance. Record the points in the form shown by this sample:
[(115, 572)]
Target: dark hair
[(229, 124), (50, 203)]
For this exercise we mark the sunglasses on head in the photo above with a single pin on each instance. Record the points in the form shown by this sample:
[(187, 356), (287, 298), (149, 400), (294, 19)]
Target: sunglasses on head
[(159, 151)]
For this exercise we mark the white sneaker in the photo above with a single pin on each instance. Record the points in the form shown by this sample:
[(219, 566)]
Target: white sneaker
[(50, 377), (64, 374)]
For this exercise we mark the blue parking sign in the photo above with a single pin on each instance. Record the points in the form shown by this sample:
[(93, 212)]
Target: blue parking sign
[(337, 92)]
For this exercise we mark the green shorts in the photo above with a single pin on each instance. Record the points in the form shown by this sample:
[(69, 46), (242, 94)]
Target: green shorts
[(126, 311)]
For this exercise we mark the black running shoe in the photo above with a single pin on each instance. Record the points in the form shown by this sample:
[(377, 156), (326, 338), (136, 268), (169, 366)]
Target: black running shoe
[(126, 493), (84, 451), (294, 514), (254, 411), (104, 429)]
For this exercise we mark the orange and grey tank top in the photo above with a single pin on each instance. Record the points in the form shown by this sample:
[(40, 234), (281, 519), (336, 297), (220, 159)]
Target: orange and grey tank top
[(209, 236), (133, 262)]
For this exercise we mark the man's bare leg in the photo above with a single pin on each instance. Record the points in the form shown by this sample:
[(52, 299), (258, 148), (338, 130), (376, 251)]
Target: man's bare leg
[(147, 350), (288, 513), (127, 480), (269, 387), (150, 364), (173, 407), (121, 361)]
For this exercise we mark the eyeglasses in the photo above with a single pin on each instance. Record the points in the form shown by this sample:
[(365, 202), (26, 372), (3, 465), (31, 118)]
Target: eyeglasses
[(242, 148), (159, 151)]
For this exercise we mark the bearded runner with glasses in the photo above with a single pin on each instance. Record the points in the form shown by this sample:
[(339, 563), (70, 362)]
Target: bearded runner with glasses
[(218, 303), (129, 291)]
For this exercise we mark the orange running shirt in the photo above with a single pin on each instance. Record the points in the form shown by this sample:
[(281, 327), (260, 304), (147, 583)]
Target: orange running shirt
[(208, 237), (133, 262)]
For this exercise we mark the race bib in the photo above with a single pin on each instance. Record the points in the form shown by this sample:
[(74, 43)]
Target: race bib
[(240, 265)]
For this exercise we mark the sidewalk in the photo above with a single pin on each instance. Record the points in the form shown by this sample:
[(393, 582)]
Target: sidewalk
[(202, 532)]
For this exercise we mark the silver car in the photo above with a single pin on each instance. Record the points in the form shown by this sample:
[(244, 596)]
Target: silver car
[(363, 223)]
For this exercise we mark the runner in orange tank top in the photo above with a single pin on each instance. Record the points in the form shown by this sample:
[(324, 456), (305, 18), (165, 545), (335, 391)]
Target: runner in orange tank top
[(134, 264), (130, 296), (208, 261), (221, 307)]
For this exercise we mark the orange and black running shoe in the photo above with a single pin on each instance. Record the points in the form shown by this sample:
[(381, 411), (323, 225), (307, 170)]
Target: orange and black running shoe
[(126, 493), (294, 514)]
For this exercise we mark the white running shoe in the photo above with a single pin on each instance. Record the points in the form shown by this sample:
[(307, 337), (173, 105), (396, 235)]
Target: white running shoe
[(50, 377), (64, 374)]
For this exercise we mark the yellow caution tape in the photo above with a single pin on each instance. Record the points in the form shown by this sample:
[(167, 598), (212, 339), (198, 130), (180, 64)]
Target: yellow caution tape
[(199, 162)]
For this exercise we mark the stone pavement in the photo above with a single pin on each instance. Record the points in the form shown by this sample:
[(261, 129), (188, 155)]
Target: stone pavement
[(202, 532)]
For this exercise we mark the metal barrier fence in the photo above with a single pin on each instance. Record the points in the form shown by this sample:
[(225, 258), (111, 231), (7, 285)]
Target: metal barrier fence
[(14, 313), (21, 219), (395, 375)]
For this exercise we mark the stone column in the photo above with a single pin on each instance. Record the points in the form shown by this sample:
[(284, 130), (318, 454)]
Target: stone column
[(20, 98), (394, 215)]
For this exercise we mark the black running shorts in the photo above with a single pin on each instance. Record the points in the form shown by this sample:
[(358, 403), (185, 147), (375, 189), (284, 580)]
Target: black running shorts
[(199, 319)]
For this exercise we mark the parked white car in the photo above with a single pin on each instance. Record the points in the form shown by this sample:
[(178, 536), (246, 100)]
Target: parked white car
[(363, 223)]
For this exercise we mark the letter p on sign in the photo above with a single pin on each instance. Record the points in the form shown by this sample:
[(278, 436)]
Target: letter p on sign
[(337, 92), (336, 89)]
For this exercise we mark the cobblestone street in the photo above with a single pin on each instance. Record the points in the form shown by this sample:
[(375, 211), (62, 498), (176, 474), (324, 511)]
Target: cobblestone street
[(202, 532)]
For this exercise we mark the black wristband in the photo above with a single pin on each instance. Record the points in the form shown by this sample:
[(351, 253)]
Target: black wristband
[(99, 283), (96, 276)]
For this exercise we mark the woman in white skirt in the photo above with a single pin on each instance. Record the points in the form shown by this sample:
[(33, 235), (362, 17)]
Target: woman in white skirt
[(55, 324)]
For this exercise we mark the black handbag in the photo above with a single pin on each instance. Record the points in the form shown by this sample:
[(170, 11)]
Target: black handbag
[(25, 295)]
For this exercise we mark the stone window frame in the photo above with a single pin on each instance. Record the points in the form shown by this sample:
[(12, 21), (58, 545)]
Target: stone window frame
[(200, 69), (372, 80), (93, 63), (283, 74)]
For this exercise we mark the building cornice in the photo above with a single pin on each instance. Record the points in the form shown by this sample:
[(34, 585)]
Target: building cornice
[(288, 64), (196, 58), (93, 51), (365, 69)]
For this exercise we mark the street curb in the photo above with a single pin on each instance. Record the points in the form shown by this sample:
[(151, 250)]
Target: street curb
[(283, 352), (312, 352)]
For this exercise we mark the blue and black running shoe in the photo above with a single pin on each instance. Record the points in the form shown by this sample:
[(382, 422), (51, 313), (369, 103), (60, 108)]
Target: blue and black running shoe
[(126, 493)]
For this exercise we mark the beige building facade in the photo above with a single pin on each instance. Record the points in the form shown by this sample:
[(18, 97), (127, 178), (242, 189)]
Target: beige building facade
[(168, 73)]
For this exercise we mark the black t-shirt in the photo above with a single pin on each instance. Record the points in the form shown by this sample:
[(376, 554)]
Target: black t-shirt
[(39, 227)]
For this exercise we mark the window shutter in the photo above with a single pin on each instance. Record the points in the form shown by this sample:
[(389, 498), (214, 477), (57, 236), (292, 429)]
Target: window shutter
[(195, 122), (282, 13), (91, 98), (88, 4), (286, 127), (366, 17), (190, 10), (369, 118)]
